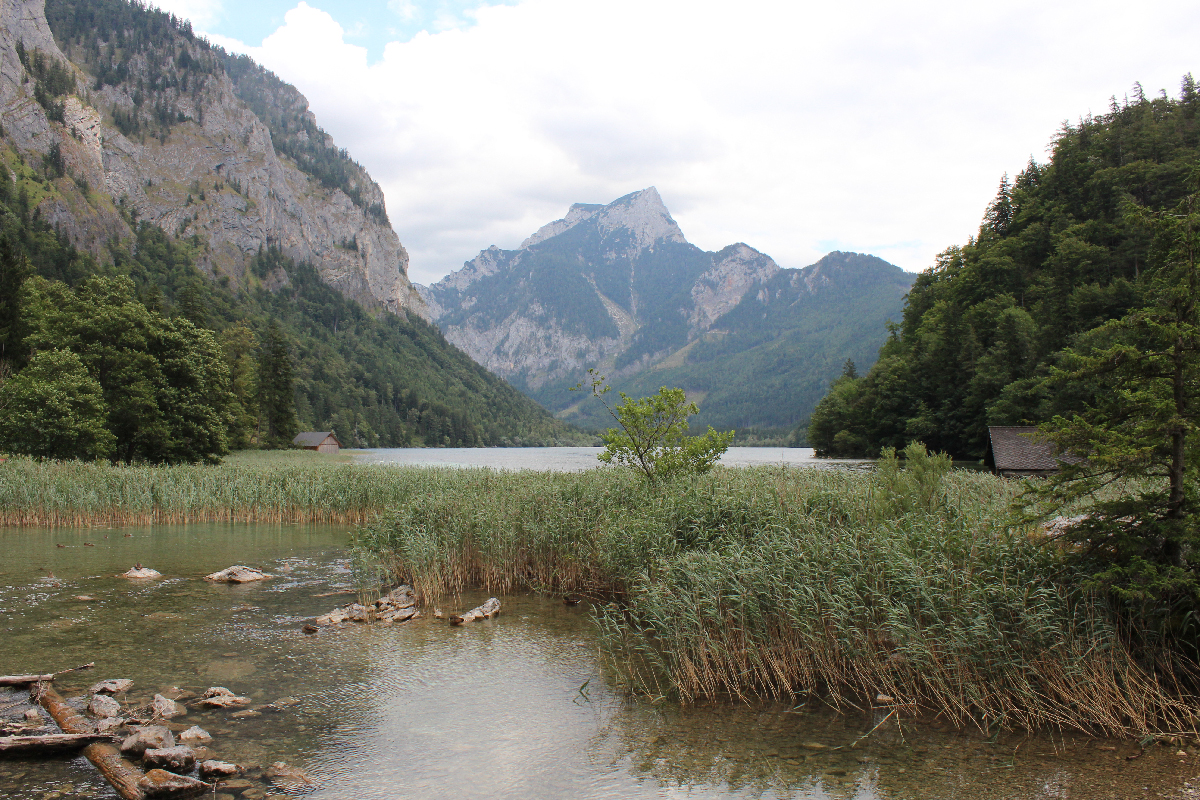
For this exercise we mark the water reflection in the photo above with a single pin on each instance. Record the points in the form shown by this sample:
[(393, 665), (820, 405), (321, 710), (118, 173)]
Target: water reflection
[(509, 708)]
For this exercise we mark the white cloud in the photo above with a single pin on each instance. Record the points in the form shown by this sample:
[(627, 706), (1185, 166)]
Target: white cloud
[(203, 13), (797, 128)]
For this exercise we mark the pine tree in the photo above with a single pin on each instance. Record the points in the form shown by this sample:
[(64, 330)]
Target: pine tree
[(14, 269), (276, 398)]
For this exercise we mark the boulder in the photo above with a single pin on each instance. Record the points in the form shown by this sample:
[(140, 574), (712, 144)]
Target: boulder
[(237, 574), (195, 735), (166, 708), (151, 737), (111, 686), (110, 724), (160, 783), (173, 759), (218, 769), (103, 706), (138, 572)]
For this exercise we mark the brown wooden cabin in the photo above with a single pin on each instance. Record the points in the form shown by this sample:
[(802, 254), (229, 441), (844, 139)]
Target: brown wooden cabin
[(321, 441), (1016, 451)]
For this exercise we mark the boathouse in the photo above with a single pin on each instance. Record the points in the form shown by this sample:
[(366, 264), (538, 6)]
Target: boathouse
[(1018, 451), (321, 441)]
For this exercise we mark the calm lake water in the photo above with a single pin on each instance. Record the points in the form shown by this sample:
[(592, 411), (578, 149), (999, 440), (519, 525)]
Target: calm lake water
[(515, 707), (577, 459)]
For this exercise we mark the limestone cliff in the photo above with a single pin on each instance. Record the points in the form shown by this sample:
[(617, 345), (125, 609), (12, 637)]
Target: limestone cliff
[(153, 129)]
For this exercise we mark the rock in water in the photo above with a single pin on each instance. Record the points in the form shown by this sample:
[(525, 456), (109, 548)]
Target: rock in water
[(111, 686), (237, 574), (195, 735), (104, 706), (140, 572), (110, 724), (151, 737), (167, 708), (220, 697), (490, 608), (160, 783), (285, 777), (218, 769), (174, 759)]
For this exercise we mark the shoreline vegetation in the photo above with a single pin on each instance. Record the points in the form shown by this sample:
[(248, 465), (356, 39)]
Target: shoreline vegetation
[(911, 588)]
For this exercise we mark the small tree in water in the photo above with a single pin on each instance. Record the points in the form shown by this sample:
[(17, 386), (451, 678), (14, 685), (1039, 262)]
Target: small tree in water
[(652, 437)]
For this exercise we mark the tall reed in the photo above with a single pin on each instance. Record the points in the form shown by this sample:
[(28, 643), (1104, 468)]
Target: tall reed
[(775, 582)]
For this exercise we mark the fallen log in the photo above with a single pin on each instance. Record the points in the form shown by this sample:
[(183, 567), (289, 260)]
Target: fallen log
[(490, 608), (123, 775), (21, 680), (49, 744)]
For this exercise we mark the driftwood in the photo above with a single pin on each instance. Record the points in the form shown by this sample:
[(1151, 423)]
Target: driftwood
[(21, 680), (50, 744), (123, 775), (490, 608)]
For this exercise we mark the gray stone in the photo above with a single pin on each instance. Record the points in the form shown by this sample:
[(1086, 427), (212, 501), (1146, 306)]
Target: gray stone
[(139, 572), (32, 714), (151, 737), (195, 735), (161, 783), (104, 706), (111, 686), (218, 769), (175, 759), (110, 724), (166, 708), (237, 574)]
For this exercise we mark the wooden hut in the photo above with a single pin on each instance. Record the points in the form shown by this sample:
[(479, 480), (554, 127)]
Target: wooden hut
[(321, 441), (1017, 451)]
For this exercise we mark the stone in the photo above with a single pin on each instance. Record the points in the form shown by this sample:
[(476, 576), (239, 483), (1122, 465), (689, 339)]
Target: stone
[(166, 708), (109, 725), (138, 572), (218, 769), (217, 691), (309, 628), (248, 713), (174, 759), (237, 574), (226, 699), (161, 783), (103, 706), (237, 785), (195, 735), (814, 746), (32, 714), (150, 737), (284, 776), (111, 686)]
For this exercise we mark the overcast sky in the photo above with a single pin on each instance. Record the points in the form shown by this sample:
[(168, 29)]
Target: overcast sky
[(796, 127)]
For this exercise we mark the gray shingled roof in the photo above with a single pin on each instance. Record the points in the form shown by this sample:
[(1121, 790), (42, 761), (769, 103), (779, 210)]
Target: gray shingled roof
[(1016, 447), (311, 438)]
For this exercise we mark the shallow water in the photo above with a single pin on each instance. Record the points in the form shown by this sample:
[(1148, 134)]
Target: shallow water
[(509, 708), (577, 459)]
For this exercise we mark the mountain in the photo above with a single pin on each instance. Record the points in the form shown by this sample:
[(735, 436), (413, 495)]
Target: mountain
[(133, 148), (619, 287), (1059, 254)]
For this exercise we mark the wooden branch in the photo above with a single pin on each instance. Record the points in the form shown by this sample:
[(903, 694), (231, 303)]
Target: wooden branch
[(21, 680), (123, 775), (49, 744)]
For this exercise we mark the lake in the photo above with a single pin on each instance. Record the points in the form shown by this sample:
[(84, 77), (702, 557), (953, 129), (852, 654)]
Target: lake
[(577, 459), (514, 707)]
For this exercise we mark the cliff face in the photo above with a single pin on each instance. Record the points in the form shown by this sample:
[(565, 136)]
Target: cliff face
[(618, 287), (153, 129)]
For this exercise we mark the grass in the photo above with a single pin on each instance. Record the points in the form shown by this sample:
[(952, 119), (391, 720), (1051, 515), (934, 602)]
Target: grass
[(781, 583)]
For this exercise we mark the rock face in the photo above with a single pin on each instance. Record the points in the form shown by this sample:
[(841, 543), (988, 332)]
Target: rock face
[(171, 141), (619, 288)]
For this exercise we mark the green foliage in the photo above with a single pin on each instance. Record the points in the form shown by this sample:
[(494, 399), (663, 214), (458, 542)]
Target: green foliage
[(14, 269), (52, 79), (1141, 421), (653, 439), (276, 392), (54, 409), (1055, 257), (917, 486)]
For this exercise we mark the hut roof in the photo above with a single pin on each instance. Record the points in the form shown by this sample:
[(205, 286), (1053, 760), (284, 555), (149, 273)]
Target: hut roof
[(312, 438), (1017, 447)]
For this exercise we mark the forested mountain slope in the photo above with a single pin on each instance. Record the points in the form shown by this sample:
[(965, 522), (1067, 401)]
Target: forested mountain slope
[(130, 151), (1057, 254), (618, 287)]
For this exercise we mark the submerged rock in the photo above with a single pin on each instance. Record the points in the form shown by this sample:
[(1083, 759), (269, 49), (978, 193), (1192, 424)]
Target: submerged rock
[(175, 759), (137, 571), (111, 686), (104, 706), (151, 737), (160, 783), (283, 776), (237, 574), (195, 735)]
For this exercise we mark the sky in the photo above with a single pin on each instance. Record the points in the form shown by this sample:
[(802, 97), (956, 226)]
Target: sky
[(795, 127)]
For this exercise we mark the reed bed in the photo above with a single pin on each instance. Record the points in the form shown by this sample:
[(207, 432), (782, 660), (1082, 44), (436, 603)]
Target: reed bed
[(289, 490), (779, 583)]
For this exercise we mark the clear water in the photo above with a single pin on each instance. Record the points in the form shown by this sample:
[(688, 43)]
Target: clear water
[(577, 459), (514, 707)]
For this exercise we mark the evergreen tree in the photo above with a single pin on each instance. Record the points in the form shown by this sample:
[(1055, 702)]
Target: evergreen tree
[(14, 269), (276, 392)]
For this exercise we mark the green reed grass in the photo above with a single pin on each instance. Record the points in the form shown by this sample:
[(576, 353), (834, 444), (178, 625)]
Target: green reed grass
[(782, 583)]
